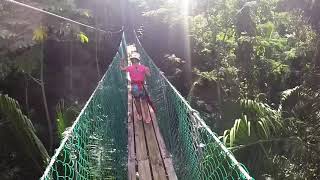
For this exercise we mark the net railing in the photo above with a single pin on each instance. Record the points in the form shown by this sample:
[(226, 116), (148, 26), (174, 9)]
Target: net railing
[(95, 146), (196, 151)]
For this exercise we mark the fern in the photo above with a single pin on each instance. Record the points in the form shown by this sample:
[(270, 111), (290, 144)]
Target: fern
[(65, 116), (23, 131), (259, 122)]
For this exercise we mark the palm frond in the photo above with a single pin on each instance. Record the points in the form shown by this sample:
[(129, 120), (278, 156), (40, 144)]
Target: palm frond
[(258, 122), (23, 131)]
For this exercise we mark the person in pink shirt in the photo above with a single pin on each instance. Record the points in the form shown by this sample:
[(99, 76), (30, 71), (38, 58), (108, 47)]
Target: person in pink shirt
[(137, 74)]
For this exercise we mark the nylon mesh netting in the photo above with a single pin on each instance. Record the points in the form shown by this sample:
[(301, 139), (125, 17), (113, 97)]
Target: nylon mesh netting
[(197, 153), (95, 147)]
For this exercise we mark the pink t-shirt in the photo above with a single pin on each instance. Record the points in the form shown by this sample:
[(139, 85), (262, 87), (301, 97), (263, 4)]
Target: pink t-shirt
[(137, 72)]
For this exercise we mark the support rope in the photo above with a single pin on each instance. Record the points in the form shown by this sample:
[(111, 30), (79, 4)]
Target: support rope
[(61, 17)]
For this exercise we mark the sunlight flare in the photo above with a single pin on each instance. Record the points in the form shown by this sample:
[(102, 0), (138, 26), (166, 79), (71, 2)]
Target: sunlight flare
[(187, 49)]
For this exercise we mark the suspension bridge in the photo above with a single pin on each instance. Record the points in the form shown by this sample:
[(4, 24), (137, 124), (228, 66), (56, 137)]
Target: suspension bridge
[(106, 141)]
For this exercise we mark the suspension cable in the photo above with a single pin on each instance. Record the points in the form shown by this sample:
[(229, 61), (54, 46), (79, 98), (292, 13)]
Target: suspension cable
[(61, 17)]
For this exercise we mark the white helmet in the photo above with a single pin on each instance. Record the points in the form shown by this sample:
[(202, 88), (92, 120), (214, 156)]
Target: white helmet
[(135, 55)]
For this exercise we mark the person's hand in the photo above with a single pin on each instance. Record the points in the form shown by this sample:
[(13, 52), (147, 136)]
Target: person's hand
[(122, 63)]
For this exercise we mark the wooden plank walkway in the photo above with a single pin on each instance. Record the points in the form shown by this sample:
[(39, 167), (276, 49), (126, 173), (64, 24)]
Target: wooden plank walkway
[(148, 158)]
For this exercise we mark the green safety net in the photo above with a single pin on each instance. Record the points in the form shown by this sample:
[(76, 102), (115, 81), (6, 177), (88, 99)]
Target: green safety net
[(196, 151), (95, 147)]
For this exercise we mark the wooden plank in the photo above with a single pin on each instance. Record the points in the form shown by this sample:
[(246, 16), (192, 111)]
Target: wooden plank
[(162, 145), (157, 165), (131, 153), (132, 169), (131, 148), (140, 143), (145, 111), (164, 153), (170, 169), (144, 170), (141, 149)]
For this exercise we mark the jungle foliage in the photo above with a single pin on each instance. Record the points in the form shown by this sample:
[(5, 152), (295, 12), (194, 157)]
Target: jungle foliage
[(42, 60), (254, 72), (251, 68)]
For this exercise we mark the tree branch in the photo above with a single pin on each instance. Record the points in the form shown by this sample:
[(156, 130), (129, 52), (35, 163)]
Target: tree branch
[(35, 79)]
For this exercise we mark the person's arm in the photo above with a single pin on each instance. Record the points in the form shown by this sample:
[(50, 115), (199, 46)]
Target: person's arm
[(122, 66), (148, 71)]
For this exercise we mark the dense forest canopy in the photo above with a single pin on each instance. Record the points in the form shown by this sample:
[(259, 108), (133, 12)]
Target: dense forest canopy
[(251, 68)]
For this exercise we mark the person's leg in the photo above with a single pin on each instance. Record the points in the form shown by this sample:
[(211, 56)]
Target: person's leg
[(145, 108), (136, 94)]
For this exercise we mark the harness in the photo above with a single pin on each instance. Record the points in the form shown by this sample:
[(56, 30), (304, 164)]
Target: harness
[(138, 83)]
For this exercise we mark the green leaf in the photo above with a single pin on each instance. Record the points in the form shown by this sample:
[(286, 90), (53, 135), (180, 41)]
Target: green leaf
[(249, 128), (65, 115), (266, 29), (40, 34), (264, 129), (291, 54), (232, 137), (87, 13), (225, 138), (83, 38)]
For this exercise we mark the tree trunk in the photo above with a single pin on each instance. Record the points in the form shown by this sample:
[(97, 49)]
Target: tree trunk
[(97, 46), (45, 99), (245, 24), (71, 66), (217, 65), (97, 60), (316, 58)]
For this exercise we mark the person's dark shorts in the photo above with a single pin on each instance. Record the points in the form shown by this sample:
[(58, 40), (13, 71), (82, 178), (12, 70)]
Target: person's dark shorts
[(137, 92)]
